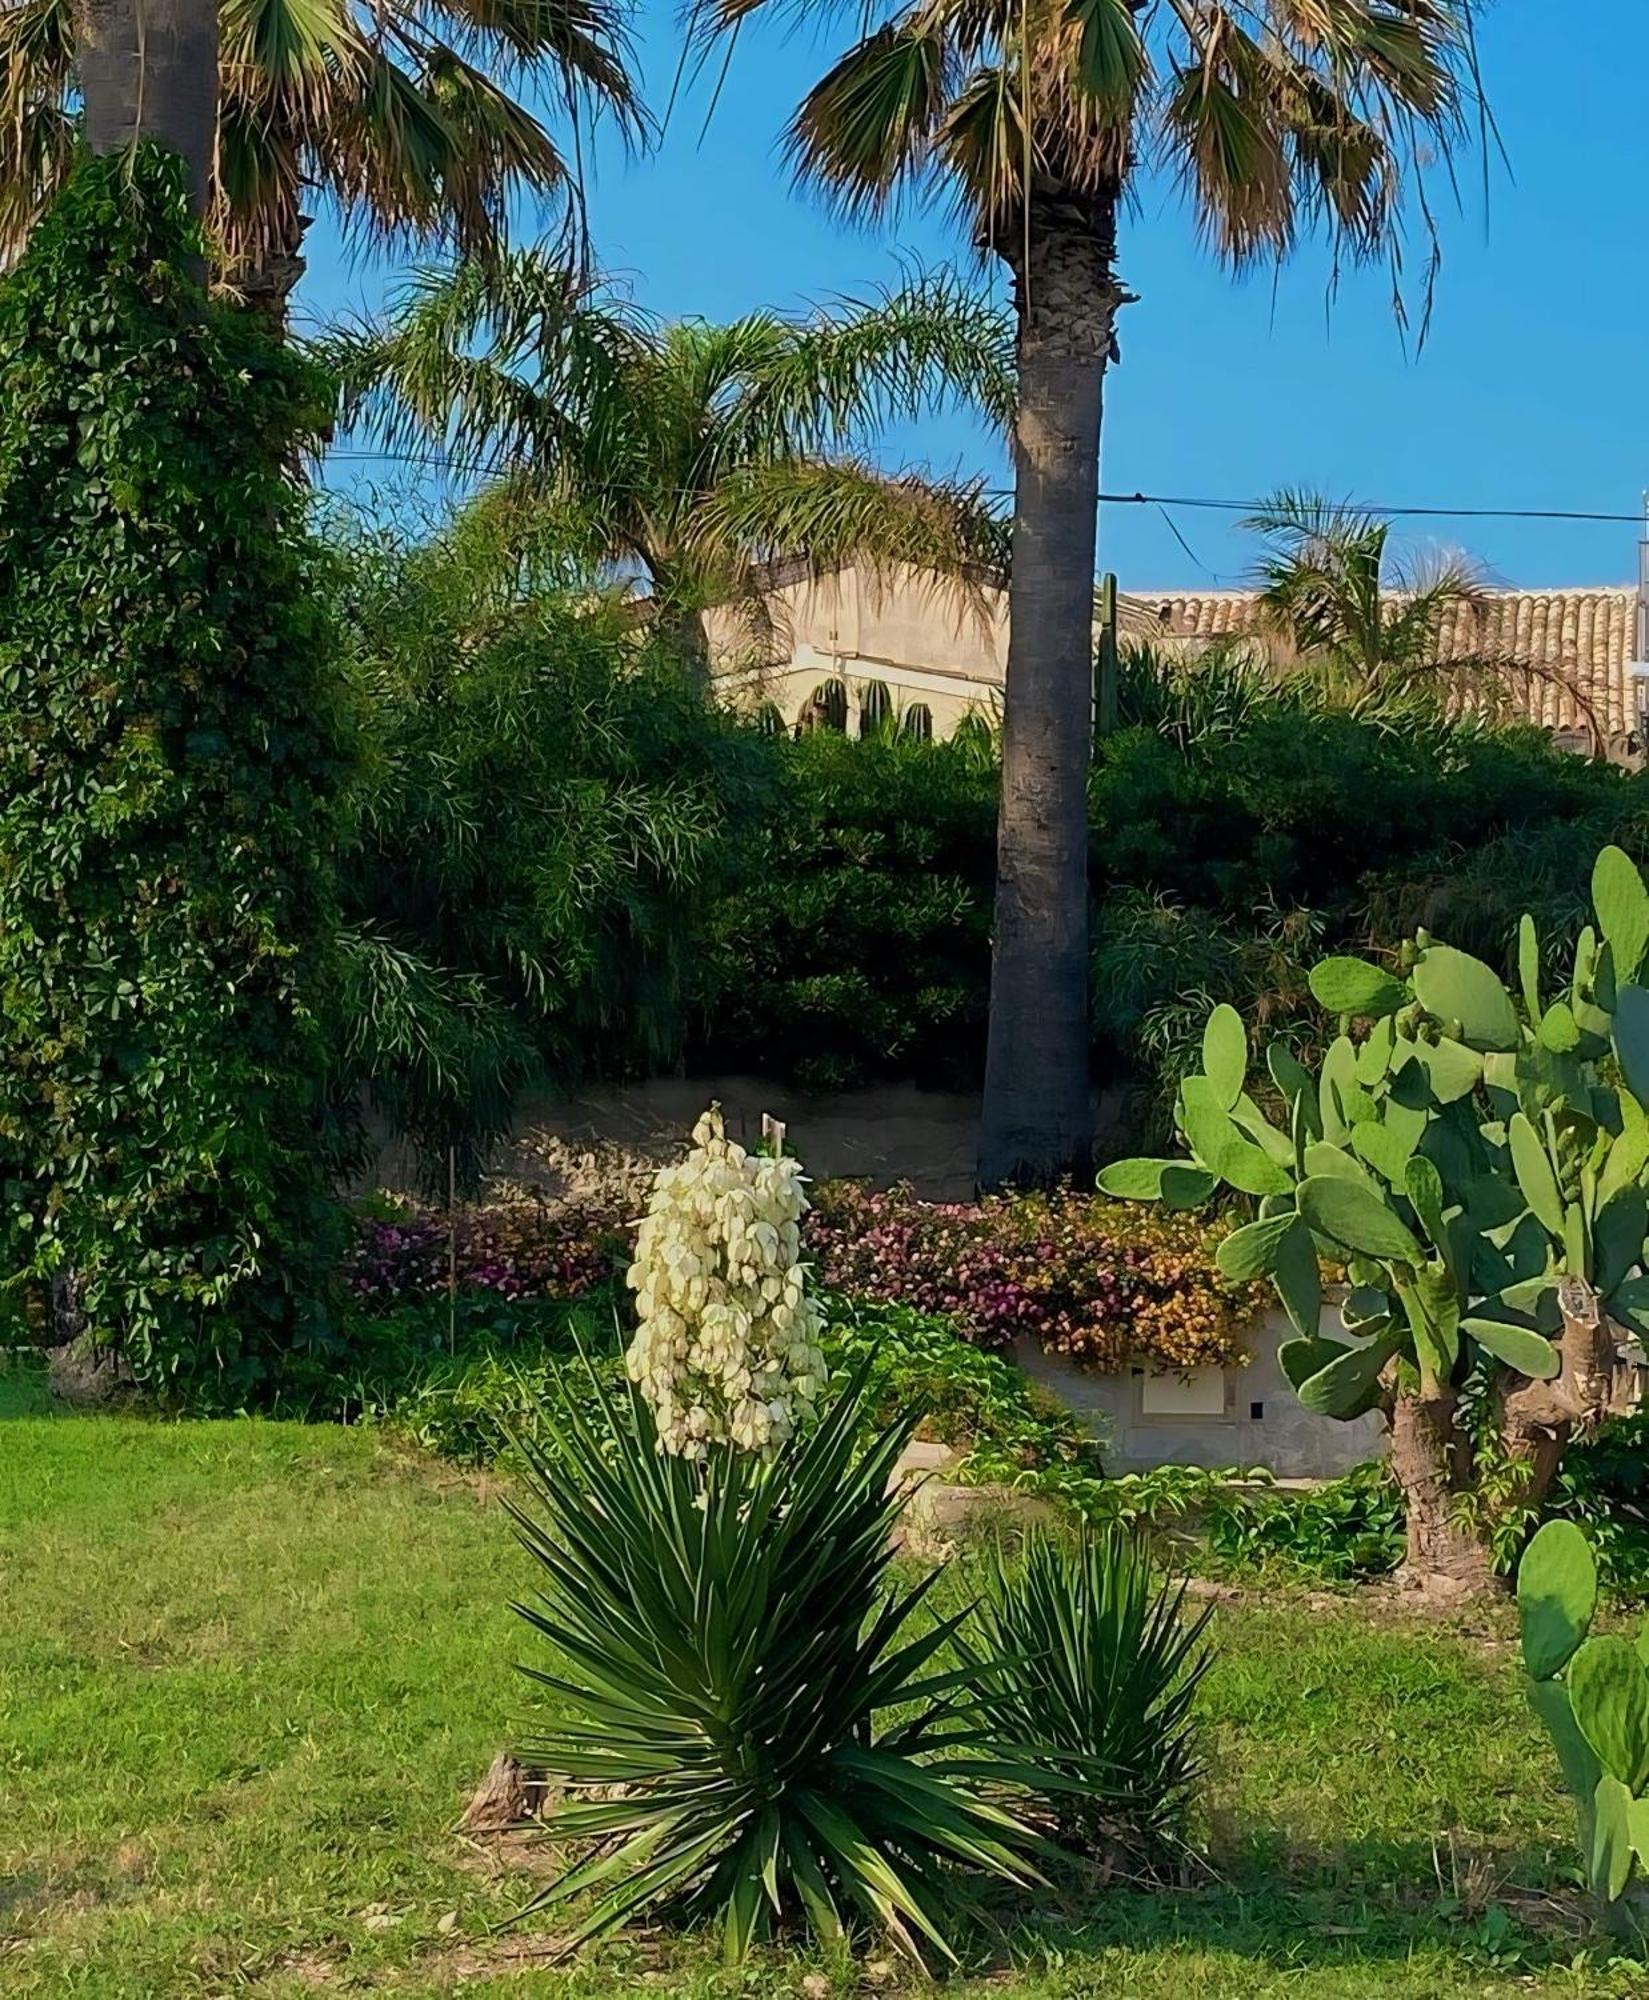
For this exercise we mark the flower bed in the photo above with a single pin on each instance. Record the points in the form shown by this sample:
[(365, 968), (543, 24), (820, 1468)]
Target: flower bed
[(1101, 1282), (521, 1249), (1105, 1283)]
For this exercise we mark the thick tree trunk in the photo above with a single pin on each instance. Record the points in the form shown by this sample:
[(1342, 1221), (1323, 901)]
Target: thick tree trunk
[(1538, 1419), (149, 70), (1432, 1464), (265, 284), (1037, 1121), (689, 638), (1432, 1460)]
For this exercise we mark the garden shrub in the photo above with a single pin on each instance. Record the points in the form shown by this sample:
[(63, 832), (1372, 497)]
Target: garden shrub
[(856, 947), (1005, 1429), (552, 818), (744, 1719), (1093, 1663), (171, 761), (1345, 1530), (1240, 827), (1093, 1280), (519, 1249)]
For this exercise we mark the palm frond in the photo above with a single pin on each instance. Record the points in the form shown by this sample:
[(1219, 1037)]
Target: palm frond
[(415, 118), (866, 127), (904, 353), (836, 513)]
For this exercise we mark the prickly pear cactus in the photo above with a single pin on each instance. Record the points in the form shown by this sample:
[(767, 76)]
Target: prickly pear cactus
[(1477, 1158), (1592, 1694)]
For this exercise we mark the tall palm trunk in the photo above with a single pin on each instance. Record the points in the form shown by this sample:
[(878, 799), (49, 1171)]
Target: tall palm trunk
[(1037, 1122), (267, 281), (149, 70)]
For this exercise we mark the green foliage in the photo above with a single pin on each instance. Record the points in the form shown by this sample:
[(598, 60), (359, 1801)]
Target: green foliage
[(856, 946), (1241, 828), (725, 1646), (1099, 1670), (1556, 1596), (463, 1378), (1597, 1715), (1344, 1531), (552, 814), (689, 451), (171, 761), (1479, 1162), (1007, 1430), (1463, 1160)]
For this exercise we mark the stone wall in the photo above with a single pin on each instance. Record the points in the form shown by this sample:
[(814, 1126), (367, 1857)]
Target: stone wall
[(1147, 1420)]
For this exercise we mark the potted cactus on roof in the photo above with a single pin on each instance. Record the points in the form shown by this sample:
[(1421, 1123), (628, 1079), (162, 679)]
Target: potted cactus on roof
[(1476, 1158)]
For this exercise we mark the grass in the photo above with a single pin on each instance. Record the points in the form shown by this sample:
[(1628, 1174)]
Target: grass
[(249, 1672)]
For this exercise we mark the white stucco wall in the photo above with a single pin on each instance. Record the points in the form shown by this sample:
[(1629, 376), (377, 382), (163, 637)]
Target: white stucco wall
[(1261, 1424)]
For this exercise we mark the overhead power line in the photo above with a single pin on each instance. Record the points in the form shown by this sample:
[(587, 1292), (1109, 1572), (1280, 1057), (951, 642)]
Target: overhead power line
[(442, 462)]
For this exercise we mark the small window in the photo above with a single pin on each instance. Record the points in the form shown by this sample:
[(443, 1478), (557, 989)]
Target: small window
[(1256, 1413), (1198, 1392), (919, 722), (875, 710), (768, 719)]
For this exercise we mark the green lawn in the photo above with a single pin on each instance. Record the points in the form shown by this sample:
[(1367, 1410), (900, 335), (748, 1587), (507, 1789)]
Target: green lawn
[(248, 1672)]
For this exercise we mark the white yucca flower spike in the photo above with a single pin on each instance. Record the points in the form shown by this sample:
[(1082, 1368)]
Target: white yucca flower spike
[(727, 1341)]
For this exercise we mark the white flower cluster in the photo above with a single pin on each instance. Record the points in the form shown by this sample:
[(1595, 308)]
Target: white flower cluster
[(727, 1347)]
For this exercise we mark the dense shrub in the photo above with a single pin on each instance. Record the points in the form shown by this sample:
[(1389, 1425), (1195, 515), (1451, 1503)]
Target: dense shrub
[(1095, 1280), (857, 946), (553, 816), (1344, 1531), (1240, 829), (742, 1715), (519, 1249), (1093, 1663), (1005, 1430), (1296, 802), (170, 764)]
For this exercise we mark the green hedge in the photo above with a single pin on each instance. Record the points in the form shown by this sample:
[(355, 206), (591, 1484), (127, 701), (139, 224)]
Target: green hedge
[(1226, 856)]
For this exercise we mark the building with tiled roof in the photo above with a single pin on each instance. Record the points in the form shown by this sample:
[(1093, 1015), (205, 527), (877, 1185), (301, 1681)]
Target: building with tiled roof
[(850, 645), (1583, 637)]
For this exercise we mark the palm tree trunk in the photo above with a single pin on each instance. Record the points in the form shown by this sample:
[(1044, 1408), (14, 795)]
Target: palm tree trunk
[(266, 284), (1037, 1121), (149, 70)]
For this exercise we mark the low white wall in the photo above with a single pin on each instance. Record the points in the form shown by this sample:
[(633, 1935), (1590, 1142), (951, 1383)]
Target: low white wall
[(1261, 1424)]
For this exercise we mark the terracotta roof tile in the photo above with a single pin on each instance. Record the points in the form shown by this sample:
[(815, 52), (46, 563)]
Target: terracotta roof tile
[(1586, 635)]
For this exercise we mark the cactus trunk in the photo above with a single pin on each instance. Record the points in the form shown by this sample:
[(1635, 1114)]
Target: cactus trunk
[(1432, 1462), (1538, 1419)]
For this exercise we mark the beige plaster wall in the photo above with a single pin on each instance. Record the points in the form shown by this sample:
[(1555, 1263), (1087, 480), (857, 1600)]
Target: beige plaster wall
[(1262, 1424), (925, 639)]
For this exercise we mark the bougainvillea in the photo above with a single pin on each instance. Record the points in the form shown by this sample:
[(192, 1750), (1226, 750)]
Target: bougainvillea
[(519, 1249), (727, 1343), (1100, 1282)]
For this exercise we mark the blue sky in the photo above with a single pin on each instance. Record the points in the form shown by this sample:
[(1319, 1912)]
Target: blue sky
[(1530, 391)]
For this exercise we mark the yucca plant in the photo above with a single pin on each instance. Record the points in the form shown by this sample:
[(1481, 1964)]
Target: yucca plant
[(730, 1660), (1090, 1662)]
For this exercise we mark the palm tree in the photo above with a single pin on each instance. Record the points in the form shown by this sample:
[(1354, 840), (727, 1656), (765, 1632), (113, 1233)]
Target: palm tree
[(1370, 624), (146, 71), (1031, 117), (402, 116), (688, 454)]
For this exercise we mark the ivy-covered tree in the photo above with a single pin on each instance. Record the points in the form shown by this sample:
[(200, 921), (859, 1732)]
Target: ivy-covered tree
[(170, 762)]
